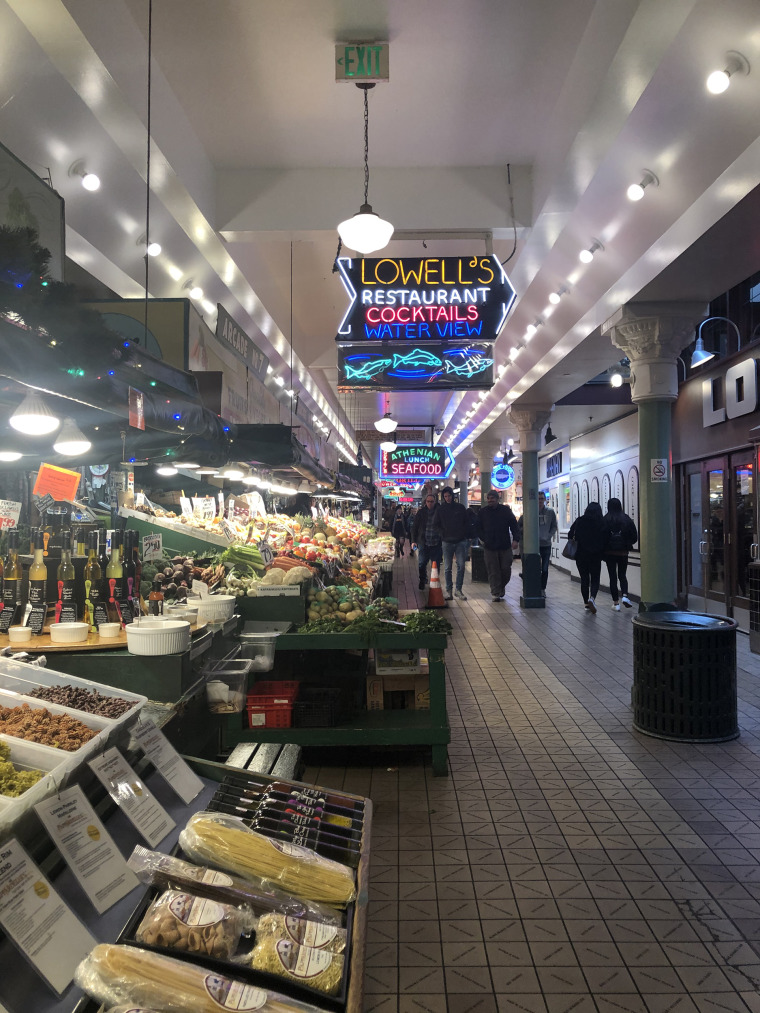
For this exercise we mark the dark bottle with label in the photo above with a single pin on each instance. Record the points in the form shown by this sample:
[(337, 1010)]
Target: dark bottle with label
[(156, 600), (138, 568), (38, 576), (94, 606), (12, 611), (66, 606), (129, 609)]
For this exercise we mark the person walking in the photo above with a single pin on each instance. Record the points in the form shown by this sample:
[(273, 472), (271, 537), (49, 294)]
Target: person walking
[(426, 537), (621, 538), (498, 531), (590, 535), (547, 529), (398, 530), (453, 524)]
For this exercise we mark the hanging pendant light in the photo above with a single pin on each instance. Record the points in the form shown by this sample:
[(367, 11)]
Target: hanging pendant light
[(33, 417), (366, 231), (71, 440), (388, 446), (386, 424)]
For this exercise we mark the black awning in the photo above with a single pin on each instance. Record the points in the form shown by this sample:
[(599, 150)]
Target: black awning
[(276, 447)]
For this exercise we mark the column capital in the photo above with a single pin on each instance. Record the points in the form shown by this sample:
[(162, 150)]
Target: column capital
[(651, 334), (529, 420)]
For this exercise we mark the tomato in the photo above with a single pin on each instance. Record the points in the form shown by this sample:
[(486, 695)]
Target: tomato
[(310, 556)]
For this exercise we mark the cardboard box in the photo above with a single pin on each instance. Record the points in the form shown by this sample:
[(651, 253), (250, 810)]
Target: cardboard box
[(397, 662), (415, 689)]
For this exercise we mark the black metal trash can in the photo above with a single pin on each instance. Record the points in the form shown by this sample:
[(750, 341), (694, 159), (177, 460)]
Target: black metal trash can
[(478, 572), (684, 676)]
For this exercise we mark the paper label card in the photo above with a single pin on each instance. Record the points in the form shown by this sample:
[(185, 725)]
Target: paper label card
[(186, 506), (167, 761), (87, 847), (153, 546), (132, 796), (200, 587), (9, 513), (61, 483), (35, 917)]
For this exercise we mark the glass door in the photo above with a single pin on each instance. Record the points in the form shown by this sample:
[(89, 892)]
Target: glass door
[(694, 530), (714, 486), (743, 530)]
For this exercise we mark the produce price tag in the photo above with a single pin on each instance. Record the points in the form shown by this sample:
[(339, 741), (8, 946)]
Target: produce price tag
[(152, 547), (204, 507), (167, 761), (200, 587), (131, 795), (186, 506), (266, 553), (227, 530), (9, 513), (45, 929), (87, 847), (275, 590)]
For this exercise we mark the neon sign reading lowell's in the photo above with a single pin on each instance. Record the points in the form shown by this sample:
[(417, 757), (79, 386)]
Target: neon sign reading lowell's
[(424, 299)]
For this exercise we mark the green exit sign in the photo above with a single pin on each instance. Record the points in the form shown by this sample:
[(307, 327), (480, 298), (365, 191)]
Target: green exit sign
[(361, 61)]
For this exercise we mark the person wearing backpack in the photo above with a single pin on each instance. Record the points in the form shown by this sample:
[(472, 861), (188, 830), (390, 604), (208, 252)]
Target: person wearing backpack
[(621, 538)]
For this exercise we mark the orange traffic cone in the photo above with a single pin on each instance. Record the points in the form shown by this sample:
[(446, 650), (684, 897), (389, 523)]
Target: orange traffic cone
[(435, 594)]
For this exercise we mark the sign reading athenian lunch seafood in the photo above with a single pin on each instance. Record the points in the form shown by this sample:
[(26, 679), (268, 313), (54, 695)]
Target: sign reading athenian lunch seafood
[(424, 299), (416, 462)]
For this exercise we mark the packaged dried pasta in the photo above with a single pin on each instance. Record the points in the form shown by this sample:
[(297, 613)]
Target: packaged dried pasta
[(116, 975), (129, 1008), (317, 969), (171, 873), (181, 921), (304, 931), (226, 842)]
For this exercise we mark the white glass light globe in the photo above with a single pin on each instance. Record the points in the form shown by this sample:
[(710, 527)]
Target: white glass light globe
[(366, 232), (388, 446), (718, 82), (196, 292), (585, 256), (153, 249), (616, 380), (386, 424), (635, 192), (554, 298), (91, 182)]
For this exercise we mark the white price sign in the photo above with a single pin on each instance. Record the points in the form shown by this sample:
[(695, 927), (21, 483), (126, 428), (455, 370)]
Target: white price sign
[(266, 553), (132, 796), (167, 761), (204, 507), (9, 513), (152, 546), (186, 506)]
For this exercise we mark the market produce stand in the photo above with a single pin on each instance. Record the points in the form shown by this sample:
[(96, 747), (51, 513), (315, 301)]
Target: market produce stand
[(367, 728)]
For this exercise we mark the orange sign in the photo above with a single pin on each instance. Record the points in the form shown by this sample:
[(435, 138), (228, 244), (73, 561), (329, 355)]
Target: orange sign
[(59, 482)]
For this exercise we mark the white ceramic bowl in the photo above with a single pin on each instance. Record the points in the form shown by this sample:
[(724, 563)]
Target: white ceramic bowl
[(69, 633), (20, 634), (217, 608), (154, 636), (107, 631)]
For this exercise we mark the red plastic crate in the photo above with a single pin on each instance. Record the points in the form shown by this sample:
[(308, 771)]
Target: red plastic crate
[(272, 701)]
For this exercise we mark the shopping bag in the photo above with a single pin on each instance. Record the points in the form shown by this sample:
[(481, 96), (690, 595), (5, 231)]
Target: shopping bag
[(571, 548)]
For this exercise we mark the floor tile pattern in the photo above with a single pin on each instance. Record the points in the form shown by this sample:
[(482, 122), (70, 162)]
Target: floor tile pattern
[(568, 864)]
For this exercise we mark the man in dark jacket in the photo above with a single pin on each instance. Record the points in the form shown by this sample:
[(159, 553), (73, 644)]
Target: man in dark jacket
[(496, 523), (426, 537), (453, 523)]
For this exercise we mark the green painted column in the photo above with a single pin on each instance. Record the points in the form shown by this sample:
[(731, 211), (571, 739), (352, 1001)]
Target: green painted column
[(657, 504), (652, 335), (485, 450), (530, 421)]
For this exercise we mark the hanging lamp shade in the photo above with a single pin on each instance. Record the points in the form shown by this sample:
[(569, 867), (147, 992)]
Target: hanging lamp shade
[(71, 440), (366, 232), (698, 356), (386, 424), (33, 417), (388, 446)]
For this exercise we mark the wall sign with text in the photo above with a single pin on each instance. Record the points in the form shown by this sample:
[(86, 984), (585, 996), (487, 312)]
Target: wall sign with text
[(416, 462), (390, 366), (424, 299), (502, 476)]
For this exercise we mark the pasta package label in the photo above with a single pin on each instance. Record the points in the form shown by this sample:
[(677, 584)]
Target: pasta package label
[(196, 911), (233, 995), (292, 850), (307, 933), (216, 878), (302, 961)]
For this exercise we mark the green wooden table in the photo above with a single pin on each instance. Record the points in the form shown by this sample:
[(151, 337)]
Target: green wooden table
[(371, 728)]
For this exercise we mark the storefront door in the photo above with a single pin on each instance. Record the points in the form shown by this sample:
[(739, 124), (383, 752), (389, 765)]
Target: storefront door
[(720, 530)]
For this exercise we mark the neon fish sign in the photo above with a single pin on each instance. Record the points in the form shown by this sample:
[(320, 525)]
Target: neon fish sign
[(439, 366), (424, 299)]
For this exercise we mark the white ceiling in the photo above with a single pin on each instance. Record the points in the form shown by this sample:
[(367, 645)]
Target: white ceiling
[(257, 154)]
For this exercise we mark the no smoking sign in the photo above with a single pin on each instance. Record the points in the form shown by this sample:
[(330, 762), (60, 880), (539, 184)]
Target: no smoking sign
[(658, 470)]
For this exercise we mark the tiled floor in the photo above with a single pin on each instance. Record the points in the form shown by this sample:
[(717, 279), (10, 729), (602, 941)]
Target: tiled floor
[(568, 863)]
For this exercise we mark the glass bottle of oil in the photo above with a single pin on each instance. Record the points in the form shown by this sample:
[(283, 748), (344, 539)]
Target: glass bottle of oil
[(11, 611), (128, 577), (94, 606), (66, 606), (38, 578), (115, 580)]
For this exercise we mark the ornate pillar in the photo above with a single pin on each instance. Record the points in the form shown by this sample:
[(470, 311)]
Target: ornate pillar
[(530, 421), (652, 335), (464, 463), (485, 448)]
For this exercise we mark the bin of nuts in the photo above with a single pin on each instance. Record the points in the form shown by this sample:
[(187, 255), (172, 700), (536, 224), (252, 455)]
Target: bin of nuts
[(37, 724), (181, 921)]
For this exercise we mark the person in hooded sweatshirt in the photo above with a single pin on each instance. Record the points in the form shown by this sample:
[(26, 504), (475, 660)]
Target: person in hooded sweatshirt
[(590, 534), (621, 538), (454, 525)]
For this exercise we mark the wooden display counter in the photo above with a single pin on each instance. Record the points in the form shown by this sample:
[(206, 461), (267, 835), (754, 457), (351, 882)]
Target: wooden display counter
[(366, 728)]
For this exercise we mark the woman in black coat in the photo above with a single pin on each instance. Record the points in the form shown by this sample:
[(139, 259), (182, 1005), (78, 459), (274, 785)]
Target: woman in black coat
[(590, 534), (399, 531), (621, 538)]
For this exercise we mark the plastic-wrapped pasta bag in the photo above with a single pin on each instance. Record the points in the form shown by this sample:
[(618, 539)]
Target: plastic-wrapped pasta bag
[(180, 921), (170, 873), (308, 966), (129, 1008), (115, 975), (225, 841), (304, 931)]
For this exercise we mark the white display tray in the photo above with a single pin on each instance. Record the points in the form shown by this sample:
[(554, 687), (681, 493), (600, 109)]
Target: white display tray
[(103, 726), (32, 756)]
